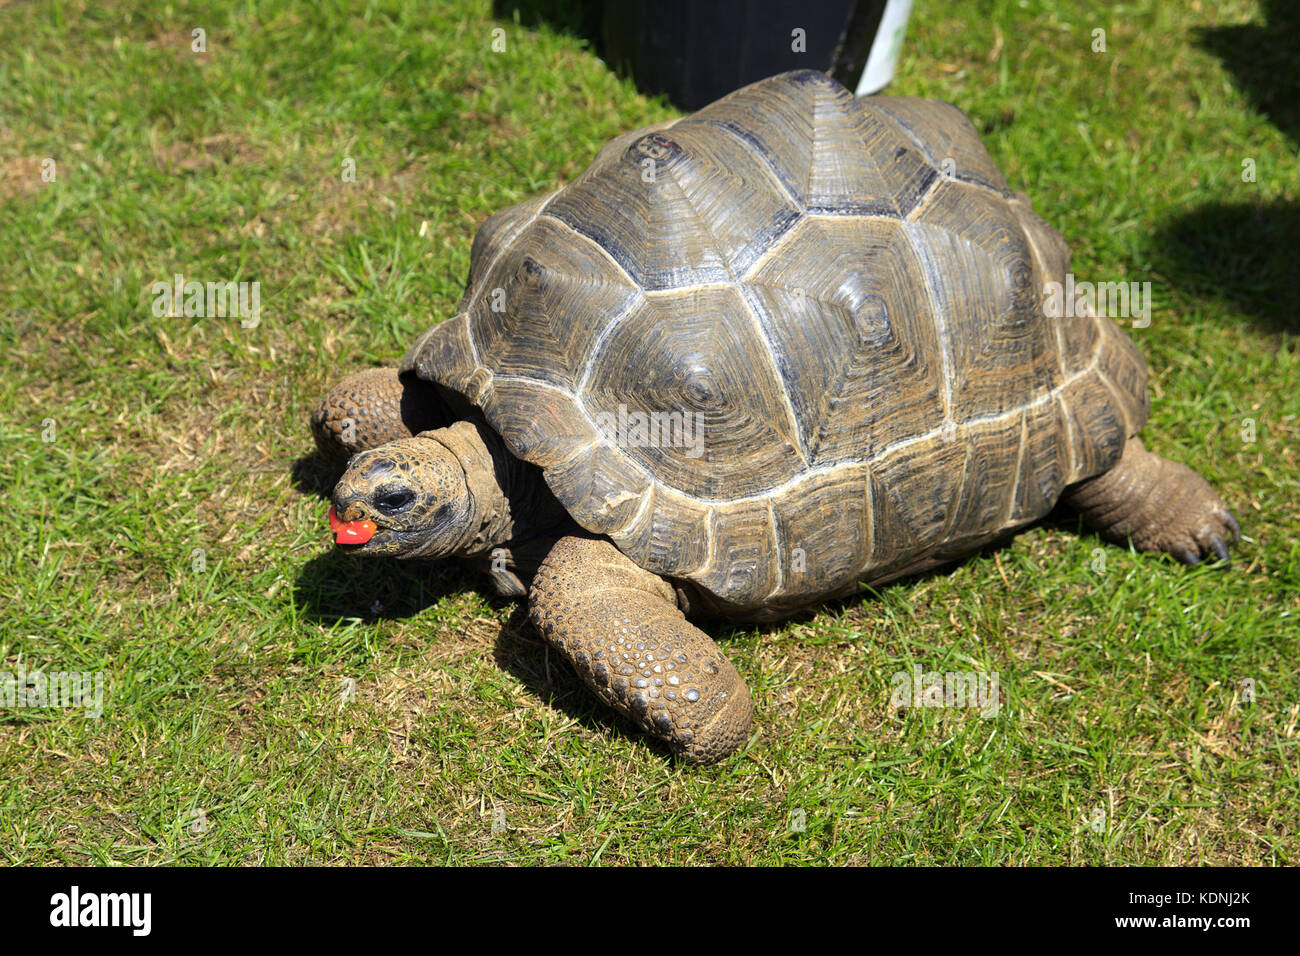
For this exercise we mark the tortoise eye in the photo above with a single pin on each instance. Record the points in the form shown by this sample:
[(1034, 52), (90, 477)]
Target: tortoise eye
[(391, 502)]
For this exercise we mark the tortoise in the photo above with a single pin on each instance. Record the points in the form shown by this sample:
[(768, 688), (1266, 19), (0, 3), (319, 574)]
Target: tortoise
[(747, 361)]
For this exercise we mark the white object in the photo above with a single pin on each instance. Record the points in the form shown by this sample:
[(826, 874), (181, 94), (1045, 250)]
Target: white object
[(885, 49)]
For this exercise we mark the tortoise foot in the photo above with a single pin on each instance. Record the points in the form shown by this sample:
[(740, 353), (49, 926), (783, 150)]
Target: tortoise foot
[(1158, 505), (620, 628), (372, 408)]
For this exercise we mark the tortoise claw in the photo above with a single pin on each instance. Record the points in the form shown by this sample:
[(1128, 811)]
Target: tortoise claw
[(1158, 505)]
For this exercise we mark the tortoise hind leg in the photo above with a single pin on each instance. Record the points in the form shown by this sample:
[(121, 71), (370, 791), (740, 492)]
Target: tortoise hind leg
[(1159, 505), (618, 625), (372, 408)]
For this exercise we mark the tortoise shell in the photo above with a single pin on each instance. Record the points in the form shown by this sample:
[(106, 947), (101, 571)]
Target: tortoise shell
[(790, 342)]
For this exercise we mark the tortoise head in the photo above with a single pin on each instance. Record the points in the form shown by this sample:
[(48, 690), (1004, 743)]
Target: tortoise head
[(408, 498)]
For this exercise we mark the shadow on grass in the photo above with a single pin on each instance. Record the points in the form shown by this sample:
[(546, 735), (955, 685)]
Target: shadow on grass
[(337, 587), (313, 475), (577, 18), (1241, 254), (334, 586), (1264, 60)]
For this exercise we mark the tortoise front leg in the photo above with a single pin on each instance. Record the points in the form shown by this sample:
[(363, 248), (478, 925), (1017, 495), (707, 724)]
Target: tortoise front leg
[(620, 628), (372, 408), (1159, 505)]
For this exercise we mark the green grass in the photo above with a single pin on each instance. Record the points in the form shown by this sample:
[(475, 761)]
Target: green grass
[(226, 737)]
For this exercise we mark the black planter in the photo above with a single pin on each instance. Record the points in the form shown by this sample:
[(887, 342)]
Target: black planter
[(695, 52)]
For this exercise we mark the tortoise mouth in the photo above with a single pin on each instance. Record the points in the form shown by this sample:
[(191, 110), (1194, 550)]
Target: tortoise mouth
[(350, 532), (369, 537)]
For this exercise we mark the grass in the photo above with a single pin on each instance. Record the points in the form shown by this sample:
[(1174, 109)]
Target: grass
[(268, 702)]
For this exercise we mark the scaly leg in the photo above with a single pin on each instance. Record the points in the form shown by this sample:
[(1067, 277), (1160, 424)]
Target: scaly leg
[(620, 628), (1159, 505), (371, 408)]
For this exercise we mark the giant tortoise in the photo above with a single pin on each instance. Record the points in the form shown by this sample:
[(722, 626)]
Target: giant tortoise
[(747, 361)]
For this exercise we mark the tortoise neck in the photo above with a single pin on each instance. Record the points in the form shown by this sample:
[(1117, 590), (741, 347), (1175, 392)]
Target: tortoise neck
[(510, 499)]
